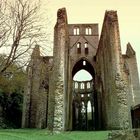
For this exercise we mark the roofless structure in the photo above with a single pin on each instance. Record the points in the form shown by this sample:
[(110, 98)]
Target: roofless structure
[(54, 100)]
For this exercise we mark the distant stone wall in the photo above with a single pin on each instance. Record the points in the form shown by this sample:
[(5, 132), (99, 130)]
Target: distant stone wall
[(35, 95), (110, 72), (133, 77)]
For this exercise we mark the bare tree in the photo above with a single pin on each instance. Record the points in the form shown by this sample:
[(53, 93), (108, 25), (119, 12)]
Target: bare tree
[(20, 29), (4, 26)]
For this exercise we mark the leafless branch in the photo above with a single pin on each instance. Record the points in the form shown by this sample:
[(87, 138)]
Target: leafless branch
[(19, 26)]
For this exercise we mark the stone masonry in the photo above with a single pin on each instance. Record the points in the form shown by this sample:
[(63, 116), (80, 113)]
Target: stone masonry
[(110, 71), (58, 92), (50, 101)]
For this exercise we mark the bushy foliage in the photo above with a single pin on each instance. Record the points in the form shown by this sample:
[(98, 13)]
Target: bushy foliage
[(11, 109), (14, 109), (12, 84)]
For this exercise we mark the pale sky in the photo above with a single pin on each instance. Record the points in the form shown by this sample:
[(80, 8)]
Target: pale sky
[(92, 11)]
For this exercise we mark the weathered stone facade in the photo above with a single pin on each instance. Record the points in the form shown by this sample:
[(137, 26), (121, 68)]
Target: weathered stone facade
[(36, 92), (53, 100), (110, 70)]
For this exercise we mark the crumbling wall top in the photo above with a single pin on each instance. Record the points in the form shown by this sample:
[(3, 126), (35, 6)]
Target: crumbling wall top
[(36, 52), (130, 52), (110, 16), (62, 15)]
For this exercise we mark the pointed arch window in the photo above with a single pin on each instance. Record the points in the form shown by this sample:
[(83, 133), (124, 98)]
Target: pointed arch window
[(88, 31), (76, 85), (76, 31), (88, 85), (79, 48), (86, 47), (82, 86)]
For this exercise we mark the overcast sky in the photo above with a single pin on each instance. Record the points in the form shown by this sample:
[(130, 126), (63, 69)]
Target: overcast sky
[(92, 11)]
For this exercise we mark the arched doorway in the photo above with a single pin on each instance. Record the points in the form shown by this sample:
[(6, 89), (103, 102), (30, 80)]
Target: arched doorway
[(84, 99)]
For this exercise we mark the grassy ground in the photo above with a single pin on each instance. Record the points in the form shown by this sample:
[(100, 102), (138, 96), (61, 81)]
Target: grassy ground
[(33, 134)]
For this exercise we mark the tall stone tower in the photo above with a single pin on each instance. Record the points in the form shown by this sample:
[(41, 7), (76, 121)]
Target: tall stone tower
[(55, 100)]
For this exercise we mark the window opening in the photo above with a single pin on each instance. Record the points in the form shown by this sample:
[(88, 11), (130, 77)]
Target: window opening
[(82, 75), (84, 63), (76, 85), (86, 48), (88, 85), (86, 45), (82, 86), (89, 110), (78, 47), (88, 31), (83, 108), (76, 31)]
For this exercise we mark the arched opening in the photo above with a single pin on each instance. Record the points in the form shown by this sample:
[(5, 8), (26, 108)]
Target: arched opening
[(88, 31), (83, 97), (85, 65), (76, 31), (79, 48), (86, 48), (83, 75)]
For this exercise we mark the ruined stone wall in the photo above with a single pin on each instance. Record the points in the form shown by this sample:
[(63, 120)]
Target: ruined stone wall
[(82, 38), (74, 57), (113, 88), (133, 77), (35, 96), (56, 118)]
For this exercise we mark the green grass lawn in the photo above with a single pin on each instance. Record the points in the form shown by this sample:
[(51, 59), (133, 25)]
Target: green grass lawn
[(34, 134)]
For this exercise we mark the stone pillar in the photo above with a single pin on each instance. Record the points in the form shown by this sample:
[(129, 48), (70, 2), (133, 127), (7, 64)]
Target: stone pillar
[(56, 110)]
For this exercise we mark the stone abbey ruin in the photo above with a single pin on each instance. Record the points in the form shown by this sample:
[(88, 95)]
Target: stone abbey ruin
[(55, 101)]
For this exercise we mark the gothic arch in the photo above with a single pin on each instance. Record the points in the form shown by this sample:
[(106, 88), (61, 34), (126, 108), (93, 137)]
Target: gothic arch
[(79, 65), (80, 119)]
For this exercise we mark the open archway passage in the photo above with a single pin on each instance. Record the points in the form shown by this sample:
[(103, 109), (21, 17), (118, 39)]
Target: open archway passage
[(84, 102), (82, 75)]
